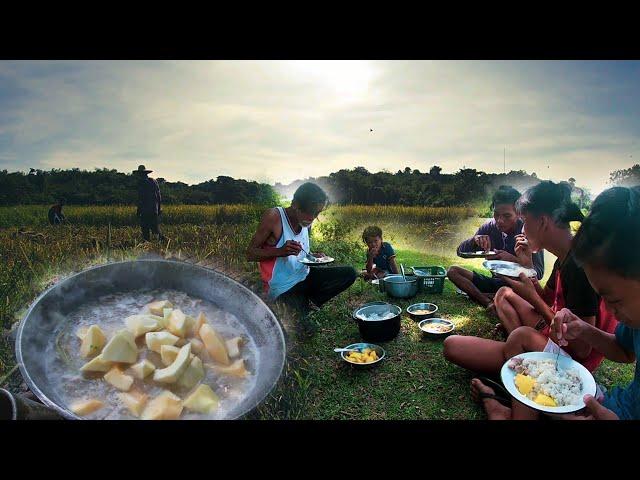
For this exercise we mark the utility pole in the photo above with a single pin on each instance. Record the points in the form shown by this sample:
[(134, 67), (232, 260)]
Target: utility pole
[(504, 161)]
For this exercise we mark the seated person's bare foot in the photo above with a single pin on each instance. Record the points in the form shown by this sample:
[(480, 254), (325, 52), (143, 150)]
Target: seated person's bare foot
[(485, 396)]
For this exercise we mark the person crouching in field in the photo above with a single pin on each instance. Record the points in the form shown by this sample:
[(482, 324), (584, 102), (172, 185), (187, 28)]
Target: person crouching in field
[(281, 241), (381, 258), (526, 309), (55, 215), (500, 234)]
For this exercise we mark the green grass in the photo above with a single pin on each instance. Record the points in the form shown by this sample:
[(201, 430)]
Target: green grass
[(414, 382)]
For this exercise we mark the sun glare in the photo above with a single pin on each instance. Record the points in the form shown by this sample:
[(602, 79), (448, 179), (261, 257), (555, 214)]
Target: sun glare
[(349, 79)]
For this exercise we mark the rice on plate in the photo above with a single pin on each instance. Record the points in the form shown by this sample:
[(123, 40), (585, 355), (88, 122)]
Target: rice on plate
[(540, 382)]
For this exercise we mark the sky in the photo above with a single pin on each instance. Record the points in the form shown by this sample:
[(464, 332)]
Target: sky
[(278, 121)]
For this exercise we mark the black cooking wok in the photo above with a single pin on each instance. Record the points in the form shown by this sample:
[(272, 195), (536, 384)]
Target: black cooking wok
[(45, 316)]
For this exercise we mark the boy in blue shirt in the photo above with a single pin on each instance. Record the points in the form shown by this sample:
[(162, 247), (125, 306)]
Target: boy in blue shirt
[(606, 246), (381, 258)]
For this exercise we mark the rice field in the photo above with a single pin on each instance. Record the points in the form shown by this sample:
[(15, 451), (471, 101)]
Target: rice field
[(124, 215), (33, 255)]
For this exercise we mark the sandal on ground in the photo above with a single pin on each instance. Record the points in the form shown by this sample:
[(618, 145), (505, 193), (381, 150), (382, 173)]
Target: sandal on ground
[(504, 401), (500, 393)]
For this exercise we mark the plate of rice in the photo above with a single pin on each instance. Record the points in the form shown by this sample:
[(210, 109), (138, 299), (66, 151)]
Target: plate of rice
[(532, 379), (477, 254), (316, 260), (508, 269)]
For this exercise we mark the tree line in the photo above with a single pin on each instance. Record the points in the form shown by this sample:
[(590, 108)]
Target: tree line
[(466, 187), (110, 187)]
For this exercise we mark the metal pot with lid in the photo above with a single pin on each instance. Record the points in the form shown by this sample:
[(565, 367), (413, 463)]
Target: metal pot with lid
[(378, 321)]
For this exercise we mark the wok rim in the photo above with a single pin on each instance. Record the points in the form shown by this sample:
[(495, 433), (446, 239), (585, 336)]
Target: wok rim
[(72, 416)]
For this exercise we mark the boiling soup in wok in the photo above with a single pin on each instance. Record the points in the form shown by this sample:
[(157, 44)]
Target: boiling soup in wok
[(152, 356)]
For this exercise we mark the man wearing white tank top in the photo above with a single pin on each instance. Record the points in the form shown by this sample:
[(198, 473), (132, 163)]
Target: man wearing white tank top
[(280, 241)]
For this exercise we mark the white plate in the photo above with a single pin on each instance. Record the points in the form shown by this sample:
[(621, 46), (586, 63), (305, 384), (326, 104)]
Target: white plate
[(508, 269), (478, 254), (321, 261), (588, 383)]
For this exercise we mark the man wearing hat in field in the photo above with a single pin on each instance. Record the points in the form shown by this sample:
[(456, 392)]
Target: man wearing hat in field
[(149, 203)]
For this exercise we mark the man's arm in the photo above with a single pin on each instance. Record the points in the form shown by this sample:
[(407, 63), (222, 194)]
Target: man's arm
[(369, 265), (578, 348), (255, 252), (606, 344), (568, 327), (470, 245), (393, 265)]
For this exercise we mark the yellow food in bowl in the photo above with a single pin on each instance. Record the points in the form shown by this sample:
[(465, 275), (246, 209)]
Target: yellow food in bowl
[(422, 312), (545, 400), (524, 383), (437, 328), (367, 355)]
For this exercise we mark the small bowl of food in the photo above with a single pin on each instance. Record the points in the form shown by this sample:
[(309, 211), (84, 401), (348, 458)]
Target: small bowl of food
[(436, 327), (366, 354), (422, 311)]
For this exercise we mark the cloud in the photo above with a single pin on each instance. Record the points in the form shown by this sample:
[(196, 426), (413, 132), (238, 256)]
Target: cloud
[(277, 120)]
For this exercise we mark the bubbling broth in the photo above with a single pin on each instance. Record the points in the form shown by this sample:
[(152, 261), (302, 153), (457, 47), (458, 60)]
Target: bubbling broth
[(64, 359)]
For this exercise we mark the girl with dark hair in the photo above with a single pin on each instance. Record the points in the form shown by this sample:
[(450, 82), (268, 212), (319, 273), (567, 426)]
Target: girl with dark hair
[(525, 308), (614, 272)]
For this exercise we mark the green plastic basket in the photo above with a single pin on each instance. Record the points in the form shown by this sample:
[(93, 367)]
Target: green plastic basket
[(433, 281)]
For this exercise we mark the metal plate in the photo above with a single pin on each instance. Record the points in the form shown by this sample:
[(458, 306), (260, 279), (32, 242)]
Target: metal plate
[(320, 261), (478, 254), (430, 321), (508, 269)]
